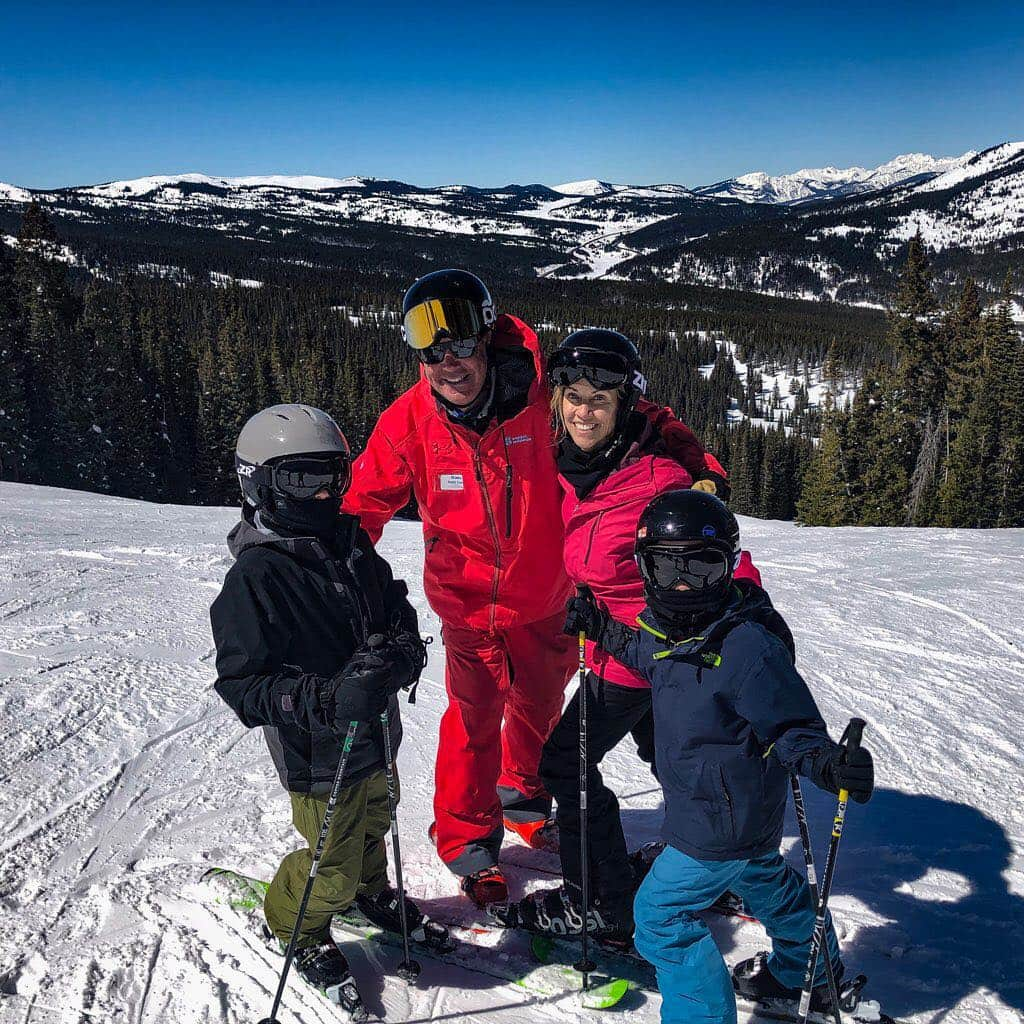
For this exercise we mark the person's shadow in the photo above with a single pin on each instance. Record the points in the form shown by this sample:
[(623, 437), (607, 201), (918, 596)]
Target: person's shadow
[(929, 872)]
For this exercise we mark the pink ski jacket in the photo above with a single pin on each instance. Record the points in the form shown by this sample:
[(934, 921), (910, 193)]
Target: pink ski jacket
[(600, 531)]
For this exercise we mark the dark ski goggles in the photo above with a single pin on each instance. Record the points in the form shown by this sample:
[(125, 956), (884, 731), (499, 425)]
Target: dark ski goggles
[(301, 477), (456, 321), (461, 349), (304, 478), (701, 568), (602, 370)]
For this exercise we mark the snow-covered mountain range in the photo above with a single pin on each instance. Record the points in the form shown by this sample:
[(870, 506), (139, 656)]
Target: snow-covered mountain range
[(832, 182), (815, 233)]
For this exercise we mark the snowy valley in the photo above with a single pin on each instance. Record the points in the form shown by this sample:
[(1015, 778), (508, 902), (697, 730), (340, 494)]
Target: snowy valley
[(815, 233)]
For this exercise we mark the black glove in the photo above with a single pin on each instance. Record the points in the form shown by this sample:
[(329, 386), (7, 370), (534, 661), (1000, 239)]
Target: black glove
[(583, 615), (853, 771), (713, 483), (359, 692)]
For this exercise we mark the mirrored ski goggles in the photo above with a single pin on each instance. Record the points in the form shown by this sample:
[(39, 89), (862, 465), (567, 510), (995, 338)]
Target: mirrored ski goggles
[(306, 477), (302, 478), (699, 568), (437, 320), (602, 370), (461, 349)]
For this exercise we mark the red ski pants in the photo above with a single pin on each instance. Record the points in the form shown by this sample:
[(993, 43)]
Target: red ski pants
[(505, 694)]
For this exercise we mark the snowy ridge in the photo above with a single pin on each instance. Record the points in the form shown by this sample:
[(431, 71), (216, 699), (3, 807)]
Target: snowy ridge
[(144, 186), (830, 182), (124, 776), (974, 166), (13, 194)]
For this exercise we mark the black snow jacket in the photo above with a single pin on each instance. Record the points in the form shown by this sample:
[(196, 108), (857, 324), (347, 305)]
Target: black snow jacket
[(732, 718), (291, 613)]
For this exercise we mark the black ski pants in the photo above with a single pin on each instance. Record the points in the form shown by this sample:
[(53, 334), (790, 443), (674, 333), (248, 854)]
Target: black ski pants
[(612, 712)]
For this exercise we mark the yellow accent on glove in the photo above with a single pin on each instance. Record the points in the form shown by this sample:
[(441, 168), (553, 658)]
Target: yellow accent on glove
[(707, 486)]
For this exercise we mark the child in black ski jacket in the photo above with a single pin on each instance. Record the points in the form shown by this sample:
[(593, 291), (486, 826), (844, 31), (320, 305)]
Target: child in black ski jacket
[(732, 719), (313, 633)]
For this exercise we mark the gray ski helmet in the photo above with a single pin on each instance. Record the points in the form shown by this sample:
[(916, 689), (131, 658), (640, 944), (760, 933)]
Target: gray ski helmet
[(280, 431)]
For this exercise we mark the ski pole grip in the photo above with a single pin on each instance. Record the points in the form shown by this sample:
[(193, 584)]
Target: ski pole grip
[(854, 733)]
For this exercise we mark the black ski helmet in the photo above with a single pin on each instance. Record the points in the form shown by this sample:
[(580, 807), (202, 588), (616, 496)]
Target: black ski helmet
[(605, 358), (447, 304), (690, 536)]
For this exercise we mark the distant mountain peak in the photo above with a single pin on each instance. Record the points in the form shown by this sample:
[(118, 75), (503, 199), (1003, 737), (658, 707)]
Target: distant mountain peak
[(831, 182), (587, 187)]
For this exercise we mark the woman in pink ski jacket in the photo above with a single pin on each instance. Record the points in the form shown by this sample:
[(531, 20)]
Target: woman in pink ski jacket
[(616, 453)]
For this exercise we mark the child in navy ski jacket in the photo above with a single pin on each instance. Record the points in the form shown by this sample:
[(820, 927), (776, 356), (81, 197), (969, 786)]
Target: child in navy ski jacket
[(733, 718)]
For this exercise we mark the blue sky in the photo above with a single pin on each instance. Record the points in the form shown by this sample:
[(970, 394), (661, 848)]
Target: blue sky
[(488, 94)]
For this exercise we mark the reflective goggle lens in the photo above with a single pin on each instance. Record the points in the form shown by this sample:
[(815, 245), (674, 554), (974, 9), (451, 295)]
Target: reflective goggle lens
[(305, 478), (698, 568), (600, 369), (462, 348), (440, 319)]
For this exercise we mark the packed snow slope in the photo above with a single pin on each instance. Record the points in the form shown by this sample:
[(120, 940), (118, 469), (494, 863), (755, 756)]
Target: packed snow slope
[(124, 777)]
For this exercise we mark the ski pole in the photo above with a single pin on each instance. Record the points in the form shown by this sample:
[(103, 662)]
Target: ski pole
[(851, 739), (332, 802), (408, 969), (812, 881), (586, 966)]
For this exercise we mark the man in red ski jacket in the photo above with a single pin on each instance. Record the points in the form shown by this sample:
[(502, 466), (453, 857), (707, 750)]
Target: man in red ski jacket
[(472, 442)]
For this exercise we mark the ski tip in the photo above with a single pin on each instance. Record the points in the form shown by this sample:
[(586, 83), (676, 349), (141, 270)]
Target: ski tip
[(605, 995)]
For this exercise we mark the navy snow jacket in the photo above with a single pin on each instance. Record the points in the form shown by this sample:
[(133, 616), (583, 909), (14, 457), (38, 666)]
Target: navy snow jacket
[(732, 718)]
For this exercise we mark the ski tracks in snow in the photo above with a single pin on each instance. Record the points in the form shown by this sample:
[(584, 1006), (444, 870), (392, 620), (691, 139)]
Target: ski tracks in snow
[(124, 777)]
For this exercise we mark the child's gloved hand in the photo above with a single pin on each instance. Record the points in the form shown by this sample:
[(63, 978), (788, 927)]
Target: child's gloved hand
[(854, 771), (584, 615), (359, 692)]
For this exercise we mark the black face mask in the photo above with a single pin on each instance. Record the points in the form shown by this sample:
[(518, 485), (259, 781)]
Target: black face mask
[(318, 517), (687, 610)]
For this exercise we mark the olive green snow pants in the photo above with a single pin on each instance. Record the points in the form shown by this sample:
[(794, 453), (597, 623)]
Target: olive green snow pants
[(354, 860)]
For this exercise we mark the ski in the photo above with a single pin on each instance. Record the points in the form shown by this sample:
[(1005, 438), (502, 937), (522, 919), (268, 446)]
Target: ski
[(245, 894), (446, 943), (548, 948)]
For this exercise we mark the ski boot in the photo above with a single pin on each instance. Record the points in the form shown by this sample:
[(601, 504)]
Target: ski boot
[(752, 980), (485, 886), (554, 912), (325, 968), (641, 860), (382, 910), (539, 834)]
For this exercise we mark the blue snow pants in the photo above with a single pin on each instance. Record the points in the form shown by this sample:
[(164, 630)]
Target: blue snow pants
[(695, 984)]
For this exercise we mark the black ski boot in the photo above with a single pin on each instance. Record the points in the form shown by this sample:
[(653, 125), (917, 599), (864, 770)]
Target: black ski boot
[(640, 861), (754, 981), (554, 912), (325, 968), (382, 910)]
